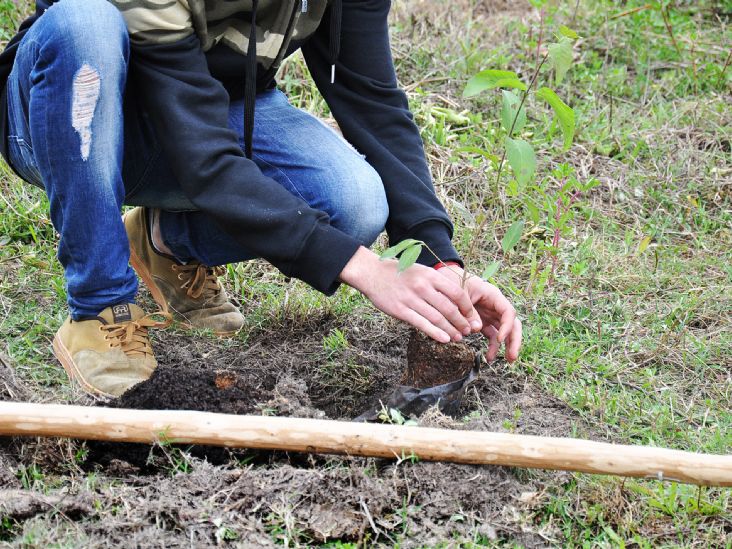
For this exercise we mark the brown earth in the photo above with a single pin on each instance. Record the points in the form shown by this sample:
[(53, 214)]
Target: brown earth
[(165, 496), (430, 363), (70, 493)]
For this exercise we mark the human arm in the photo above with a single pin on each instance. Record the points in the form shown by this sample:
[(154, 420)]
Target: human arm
[(373, 114), (189, 111)]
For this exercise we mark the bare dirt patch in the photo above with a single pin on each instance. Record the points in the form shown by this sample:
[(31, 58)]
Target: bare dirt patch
[(143, 496)]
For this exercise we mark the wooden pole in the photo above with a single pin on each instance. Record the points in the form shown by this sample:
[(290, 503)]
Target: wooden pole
[(362, 439)]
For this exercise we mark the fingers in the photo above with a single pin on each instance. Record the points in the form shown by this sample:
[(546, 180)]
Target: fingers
[(513, 341), (449, 311), (493, 345), (493, 306), (457, 295), (436, 318), (423, 325), (496, 305), (508, 318)]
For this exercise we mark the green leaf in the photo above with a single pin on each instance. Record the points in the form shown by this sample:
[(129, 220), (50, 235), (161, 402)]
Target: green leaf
[(491, 79), (533, 212), (560, 55), (399, 248), (644, 244), (490, 270), (453, 117), (510, 83), (564, 113), (509, 111), (409, 257), (482, 152), (569, 33), (512, 189), (521, 158), (396, 416), (512, 236)]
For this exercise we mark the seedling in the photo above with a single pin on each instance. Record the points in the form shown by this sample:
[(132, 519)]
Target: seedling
[(394, 416), (517, 152)]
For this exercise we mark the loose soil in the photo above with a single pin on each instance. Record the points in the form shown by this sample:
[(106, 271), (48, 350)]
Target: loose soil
[(166, 496)]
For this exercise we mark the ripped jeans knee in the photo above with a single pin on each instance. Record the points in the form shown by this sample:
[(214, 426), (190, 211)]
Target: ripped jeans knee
[(85, 94)]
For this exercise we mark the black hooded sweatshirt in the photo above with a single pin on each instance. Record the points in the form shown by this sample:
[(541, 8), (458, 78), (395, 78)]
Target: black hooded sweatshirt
[(187, 90)]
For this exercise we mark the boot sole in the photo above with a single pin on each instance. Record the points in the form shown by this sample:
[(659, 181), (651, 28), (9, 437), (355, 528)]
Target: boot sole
[(157, 295), (64, 357)]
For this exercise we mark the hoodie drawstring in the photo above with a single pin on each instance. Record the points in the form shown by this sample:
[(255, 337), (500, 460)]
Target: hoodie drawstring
[(250, 86), (334, 47)]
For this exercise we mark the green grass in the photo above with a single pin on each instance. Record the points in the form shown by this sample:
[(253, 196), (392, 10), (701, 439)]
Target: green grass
[(639, 343)]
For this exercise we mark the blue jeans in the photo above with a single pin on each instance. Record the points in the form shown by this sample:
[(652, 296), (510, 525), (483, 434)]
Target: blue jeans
[(75, 130)]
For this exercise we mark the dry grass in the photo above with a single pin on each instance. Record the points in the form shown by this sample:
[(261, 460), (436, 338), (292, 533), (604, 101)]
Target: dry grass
[(624, 345)]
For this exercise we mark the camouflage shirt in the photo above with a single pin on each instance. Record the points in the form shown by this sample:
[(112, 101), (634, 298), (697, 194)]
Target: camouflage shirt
[(225, 22)]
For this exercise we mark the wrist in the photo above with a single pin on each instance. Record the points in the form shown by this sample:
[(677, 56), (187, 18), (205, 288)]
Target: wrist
[(441, 264), (358, 268)]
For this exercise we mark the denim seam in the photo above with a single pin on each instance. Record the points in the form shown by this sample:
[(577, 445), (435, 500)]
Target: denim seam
[(282, 172)]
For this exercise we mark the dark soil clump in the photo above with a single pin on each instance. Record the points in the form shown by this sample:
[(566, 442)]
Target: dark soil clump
[(430, 363), (184, 388), (177, 388)]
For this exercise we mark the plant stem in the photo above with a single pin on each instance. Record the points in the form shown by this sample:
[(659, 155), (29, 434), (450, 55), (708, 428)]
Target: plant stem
[(667, 22), (724, 69), (481, 226), (574, 14), (541, 35), (631, 11), (439, 260)]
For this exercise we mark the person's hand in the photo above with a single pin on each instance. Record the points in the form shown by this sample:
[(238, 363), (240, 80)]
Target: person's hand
[(420, 296), (500, 323)]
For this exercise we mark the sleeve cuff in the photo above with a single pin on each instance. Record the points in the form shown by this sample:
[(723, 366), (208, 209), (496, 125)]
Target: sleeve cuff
[(322, 258), (437, 235)]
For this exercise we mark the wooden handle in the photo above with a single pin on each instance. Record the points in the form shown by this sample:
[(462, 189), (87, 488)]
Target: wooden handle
[(362, 439)]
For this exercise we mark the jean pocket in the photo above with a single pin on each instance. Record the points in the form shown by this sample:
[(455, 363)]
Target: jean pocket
[(23, 161)]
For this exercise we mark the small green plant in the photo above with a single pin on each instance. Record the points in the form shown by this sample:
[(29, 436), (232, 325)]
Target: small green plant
[(394, 417), (6, 528), (334, 343), (178, 459), (224, 533), (31, 477), (518, 154)]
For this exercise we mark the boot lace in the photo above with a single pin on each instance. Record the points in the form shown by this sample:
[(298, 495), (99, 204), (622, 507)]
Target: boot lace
[(199, 280), (131, 337)]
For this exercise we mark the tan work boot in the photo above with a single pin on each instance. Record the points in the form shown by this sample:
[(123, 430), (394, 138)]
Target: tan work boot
[(192, 292), (110, 353)]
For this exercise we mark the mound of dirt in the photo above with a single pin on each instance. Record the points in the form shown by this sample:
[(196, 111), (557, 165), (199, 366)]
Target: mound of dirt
[(185, 388), (189, 388)]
